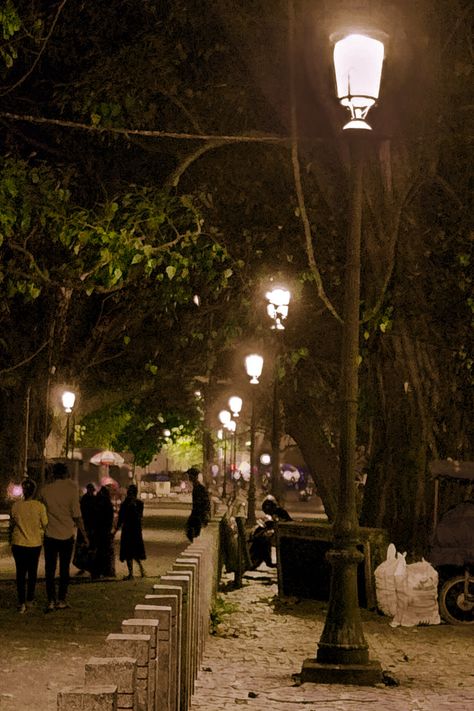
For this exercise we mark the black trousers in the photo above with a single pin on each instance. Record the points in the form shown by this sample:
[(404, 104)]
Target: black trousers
[(55, 548), (26, 561)]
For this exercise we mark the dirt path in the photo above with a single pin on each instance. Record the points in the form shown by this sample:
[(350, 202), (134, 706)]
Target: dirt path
[(41, 653)]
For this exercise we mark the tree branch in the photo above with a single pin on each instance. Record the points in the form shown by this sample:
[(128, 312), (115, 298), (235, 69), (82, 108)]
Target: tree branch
[(27, 360), (255, 138), (38, 57), (297, 173)]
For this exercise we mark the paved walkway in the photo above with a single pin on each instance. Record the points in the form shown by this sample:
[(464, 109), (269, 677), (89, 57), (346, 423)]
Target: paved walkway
[(259, 649)]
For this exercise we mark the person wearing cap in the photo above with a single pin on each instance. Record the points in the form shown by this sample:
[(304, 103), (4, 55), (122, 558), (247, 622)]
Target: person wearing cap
[(201, 506)]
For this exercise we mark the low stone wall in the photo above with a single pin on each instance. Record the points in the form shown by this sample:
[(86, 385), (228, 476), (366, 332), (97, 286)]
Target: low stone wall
[(151, 662)]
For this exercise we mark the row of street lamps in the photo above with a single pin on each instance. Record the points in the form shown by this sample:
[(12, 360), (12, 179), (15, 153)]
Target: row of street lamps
[(277, 310)]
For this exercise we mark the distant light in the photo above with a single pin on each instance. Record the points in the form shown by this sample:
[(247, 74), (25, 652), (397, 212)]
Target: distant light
[(265, 459), (231, 425), (167, 433), (277, 308), (197, 300), (224, 417), (68, 399)]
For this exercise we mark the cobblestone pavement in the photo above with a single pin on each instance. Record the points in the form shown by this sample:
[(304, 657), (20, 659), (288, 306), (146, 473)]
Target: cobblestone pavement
[(260, 647)]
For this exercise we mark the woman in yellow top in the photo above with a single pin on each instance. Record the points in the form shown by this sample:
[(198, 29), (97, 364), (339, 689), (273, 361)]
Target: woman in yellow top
[(28, 520)]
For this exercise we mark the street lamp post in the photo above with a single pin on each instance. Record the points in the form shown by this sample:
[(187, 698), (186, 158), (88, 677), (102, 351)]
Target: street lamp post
[(235, 404), (342, 655), (277, 309), (224, 419), (68, 399), (232, 427), (253, 366)]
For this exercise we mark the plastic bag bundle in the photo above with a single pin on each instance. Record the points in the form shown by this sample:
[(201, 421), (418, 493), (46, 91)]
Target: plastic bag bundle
[(416, 588), (385, 582)]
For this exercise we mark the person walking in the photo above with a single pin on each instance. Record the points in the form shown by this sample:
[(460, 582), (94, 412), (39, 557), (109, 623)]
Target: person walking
[(61, 498), (28, 521), (201, 506), (132, 547)]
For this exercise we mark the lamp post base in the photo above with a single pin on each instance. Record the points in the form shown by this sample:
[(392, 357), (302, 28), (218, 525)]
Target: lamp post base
[(368, 674)]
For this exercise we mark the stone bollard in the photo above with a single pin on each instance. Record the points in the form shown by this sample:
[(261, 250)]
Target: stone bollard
[(92, 698), (191, 566), (136, 646), (136, 626), (163, 615), (171, 596), (182, 580), (120, 671)]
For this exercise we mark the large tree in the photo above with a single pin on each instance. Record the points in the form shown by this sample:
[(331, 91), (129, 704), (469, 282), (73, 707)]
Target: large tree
[(236, 106)]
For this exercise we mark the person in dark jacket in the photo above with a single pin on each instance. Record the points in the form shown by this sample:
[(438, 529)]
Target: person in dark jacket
[(201, 506), (103, 536), (262, 538), (82, 556), (132, 547)]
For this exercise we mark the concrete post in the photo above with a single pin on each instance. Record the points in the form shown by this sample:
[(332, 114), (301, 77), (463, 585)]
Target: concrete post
[(136, 646), (182, 580), (171, 596), (119, 671), (163, 615), (136, 626)]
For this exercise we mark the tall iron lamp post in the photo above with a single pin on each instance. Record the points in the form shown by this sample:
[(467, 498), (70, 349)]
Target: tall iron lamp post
[(232, 427), (235, 404), (253, 366), (224, 419), (277, 309), (342, 655), (68, 399)]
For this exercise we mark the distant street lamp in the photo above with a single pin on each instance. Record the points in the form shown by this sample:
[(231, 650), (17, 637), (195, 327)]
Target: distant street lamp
[(277, 309), (253, 366), (235, 404), (224, 419), (68, 399), (342, 655), (232, 427)]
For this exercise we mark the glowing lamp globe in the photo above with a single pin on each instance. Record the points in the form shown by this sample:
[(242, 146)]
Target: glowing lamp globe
[(224, 417), (358, 63), (235, 404), (253, 366), (68, 400)]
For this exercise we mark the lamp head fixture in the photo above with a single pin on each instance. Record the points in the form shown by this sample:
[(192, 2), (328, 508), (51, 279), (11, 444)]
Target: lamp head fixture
[(68, 399), (235, 404), (277, 307), (224, 417), (253, 366), (358, 63)]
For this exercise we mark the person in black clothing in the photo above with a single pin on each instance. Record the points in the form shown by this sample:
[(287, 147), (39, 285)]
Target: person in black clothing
[(201, 506), (103, 538), (132, 547), (82, 553), (260, 543)]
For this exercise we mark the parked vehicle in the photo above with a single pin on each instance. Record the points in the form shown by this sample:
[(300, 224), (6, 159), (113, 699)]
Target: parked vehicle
[(452, 550)]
